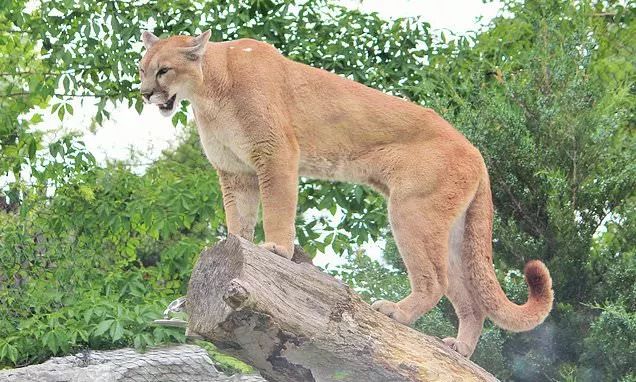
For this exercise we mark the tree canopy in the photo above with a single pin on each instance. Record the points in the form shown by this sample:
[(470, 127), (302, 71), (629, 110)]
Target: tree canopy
[(90, 253)]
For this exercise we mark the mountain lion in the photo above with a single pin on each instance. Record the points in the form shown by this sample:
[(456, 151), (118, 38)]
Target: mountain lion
[(265, 120)]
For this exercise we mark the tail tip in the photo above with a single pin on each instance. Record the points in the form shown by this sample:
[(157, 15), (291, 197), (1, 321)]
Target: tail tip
[(538, 278)]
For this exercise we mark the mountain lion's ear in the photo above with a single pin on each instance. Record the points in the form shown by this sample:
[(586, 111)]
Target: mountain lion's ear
[(149, 39), (198, 46)]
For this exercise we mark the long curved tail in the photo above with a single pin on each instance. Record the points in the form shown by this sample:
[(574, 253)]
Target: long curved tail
[(477, 254)]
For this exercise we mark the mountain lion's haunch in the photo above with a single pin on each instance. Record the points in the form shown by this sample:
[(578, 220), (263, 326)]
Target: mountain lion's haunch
[(265, 120)]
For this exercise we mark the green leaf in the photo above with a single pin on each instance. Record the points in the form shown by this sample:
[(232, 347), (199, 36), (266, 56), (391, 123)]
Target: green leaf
[(36, 118), (148, 339), (8, 351), (138, 342), (67, 84), (32, 149), (13, 353), (50, 341), (116, 331), (102, 327), (4, 348)]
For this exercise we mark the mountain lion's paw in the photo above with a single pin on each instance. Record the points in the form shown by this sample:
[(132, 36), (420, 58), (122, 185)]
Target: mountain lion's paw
[(458, 346), (392, 310), (277, 249)]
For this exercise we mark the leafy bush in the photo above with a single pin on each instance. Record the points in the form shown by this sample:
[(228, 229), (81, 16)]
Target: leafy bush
[(610, 347), (96, 264)]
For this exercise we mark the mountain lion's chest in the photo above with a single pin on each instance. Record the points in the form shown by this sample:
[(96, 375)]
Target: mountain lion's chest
[(224, 146)]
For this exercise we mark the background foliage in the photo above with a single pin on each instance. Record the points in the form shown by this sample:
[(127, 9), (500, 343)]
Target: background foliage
[(91, 253)]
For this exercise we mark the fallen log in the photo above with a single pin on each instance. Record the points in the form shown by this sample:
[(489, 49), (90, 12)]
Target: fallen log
[(295, 323), (182, 363)]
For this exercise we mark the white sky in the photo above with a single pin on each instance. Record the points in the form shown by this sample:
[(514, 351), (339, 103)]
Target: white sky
[(149, 133)]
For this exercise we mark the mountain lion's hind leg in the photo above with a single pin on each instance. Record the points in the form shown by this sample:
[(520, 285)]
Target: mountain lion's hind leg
[(420, 229), (467, 307), (469, 314)]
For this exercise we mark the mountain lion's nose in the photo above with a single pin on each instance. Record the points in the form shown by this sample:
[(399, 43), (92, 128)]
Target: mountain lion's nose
[(147, 94)]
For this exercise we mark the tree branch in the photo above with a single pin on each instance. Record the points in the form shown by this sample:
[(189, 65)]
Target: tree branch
[(519, 208)]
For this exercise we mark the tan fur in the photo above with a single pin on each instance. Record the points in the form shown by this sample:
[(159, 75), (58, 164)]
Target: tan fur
[(265, 120)]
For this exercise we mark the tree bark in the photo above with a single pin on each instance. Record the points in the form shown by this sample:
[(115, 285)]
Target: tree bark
[(183, 363), (295, 323)]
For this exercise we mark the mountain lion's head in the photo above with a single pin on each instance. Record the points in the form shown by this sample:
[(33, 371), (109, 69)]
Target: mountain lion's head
[(170, 68)]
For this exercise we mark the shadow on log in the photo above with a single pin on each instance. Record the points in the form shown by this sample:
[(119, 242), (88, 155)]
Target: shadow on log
[(295, 323)]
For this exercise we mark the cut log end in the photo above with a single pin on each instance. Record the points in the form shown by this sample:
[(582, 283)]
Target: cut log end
[(295, 323)]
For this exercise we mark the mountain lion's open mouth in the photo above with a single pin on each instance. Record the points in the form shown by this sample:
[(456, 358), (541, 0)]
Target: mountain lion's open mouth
[(169, 104)]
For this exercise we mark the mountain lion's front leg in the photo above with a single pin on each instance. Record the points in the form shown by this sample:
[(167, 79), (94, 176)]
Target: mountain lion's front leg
[(277, 170), (240, 200)]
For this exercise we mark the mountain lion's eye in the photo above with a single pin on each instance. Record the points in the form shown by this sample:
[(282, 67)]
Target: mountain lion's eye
[(162, 71)]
